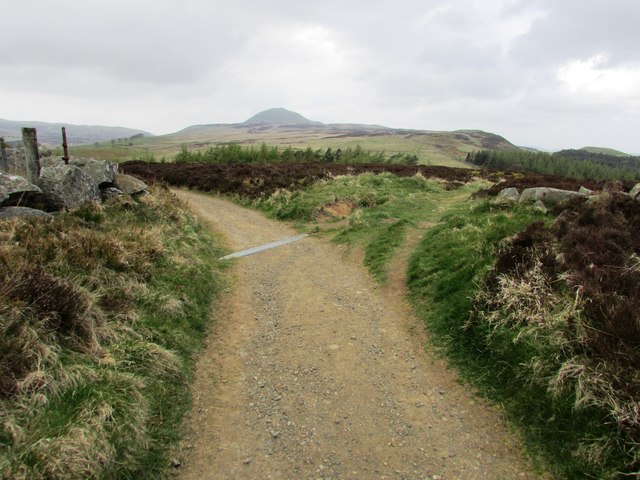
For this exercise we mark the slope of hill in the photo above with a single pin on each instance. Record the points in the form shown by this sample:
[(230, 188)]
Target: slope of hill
[(298, 132), (50, 133), (606, 151)]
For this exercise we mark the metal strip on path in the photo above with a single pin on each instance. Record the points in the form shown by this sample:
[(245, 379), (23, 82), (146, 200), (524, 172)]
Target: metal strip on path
[(266, 246)]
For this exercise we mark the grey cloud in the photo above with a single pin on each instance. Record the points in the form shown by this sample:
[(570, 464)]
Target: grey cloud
[(578, 29), (158, 44)]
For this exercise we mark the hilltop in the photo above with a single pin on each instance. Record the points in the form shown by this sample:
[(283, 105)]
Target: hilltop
[(279, 116), (606, 151), (50, 133)]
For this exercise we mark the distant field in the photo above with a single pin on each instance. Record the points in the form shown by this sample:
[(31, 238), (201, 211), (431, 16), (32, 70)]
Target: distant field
[(432, 148)]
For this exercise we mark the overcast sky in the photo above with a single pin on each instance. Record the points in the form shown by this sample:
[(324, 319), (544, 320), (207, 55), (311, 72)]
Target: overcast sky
[(546, 73)]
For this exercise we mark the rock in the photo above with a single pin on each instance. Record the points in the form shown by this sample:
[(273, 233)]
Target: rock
[(538, 206), (101, 171), (18, 191), (635, 192), (7, 213), (67, 186), (585, 191), (549, 196), (175, 463), (110, 192), (509, 195), (129, 185)]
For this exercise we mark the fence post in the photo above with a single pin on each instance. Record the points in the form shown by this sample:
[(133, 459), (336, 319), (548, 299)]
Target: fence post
[(32, 157), (4, 159), (65, 146)]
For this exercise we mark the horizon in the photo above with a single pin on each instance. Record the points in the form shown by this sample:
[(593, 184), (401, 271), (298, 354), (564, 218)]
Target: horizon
[(539, 148)]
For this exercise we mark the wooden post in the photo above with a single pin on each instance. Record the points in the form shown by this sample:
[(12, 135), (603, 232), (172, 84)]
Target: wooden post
[(4, 159), (65, 146), (32, 157)]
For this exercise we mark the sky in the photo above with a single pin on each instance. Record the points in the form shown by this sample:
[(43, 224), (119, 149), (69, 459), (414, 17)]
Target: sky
[(549, 74)]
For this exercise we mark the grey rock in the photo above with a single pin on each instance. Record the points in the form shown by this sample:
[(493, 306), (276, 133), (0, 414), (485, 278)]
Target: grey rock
[(538, 206), (549, 196), (16, 190), (101, 171), (585, 190), (635, 192), (67, 187), (509, 195), (7, 213), (130, 185)]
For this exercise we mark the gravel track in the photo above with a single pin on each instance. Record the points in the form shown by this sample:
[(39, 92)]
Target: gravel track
[(311, 372)]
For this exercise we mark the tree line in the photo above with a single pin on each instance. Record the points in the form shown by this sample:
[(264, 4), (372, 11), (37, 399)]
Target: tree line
[(566, 163), (234, 153)]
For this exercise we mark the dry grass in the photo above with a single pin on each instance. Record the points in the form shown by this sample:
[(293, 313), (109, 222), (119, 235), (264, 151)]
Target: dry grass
[(80, 359)]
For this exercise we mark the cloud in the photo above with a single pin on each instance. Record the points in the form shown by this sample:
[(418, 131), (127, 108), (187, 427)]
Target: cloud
[(594, 77), (518, 67)]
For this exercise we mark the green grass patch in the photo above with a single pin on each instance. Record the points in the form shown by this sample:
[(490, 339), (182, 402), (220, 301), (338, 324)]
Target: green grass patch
[(102, 311), (381, 208), (379, 251)]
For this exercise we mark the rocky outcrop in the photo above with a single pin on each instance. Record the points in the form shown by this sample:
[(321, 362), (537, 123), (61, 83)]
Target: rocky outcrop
[(635, 192), (67, 187), (130, 185), (8, 213), (548, 196), (102, 172), (16, 190)]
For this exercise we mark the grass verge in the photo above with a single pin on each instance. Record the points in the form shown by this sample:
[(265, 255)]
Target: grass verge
[(101, 312), (447, 282)]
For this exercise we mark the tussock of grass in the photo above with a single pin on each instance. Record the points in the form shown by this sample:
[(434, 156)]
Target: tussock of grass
[(98, 324)]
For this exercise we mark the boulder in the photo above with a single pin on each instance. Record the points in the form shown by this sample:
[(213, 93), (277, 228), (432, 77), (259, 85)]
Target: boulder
[(538, 206), (8, 213), (101, 171), (585, 190), (635, 192), (130, 185), (508, 195), (16, 190), (548, 196), (67, 187)]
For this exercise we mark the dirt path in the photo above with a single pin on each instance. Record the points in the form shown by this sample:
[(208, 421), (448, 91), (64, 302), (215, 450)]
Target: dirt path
[(311, 372)]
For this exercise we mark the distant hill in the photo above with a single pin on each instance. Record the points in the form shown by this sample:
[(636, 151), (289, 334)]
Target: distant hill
[(50, 133), (283, 128), (279, 116), (606, 151)]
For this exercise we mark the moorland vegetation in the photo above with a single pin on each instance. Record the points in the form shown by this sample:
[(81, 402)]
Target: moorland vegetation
[(101, 312), (103, 307), (538, 310)]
